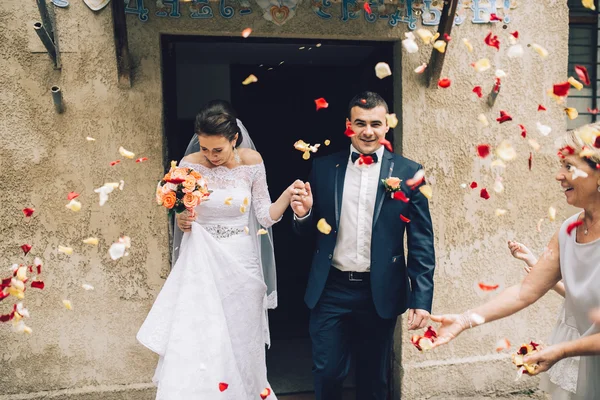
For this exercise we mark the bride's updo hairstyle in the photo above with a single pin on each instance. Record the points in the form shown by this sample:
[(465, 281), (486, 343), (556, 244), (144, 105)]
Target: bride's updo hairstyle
[(218, 118)]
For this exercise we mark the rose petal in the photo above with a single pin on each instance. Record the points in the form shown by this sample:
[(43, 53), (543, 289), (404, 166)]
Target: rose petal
[(323, 226), (367, 8), (498, 186), (447, 37), (250, 79), (113, 163), (502, 344), (468, 45), (572, 113), (430, 333), (417, 179), (116, 250), (261, 231), (492, 41), (578, 173), (515, 51), (575, 83), (500, 212), (505, 151), (67, 304), (26, 248), (444, 83), (387, 144), (523, 131), (66, 250), (321, 103), (392, 120), (589, 4), (421, 68), (126, 153), (478, 91), (427, 191), (228, 201), (223, 386), (483, 150), (404, 219), (473, 185), (72, 195), (487, 288), (494, 17), (28, 212), (90, 139), (540, 50), (399, 195), (74, 205), (37, 284), (484, 194), (543, 129), (85, 286), (440, 46), (91, 240), (530, 160), (582, 73), (504, 117), (515, 34), (327, 142), (573, 225), (593, 111), (246, 32), (541, 108), (561, 89), (349, 132), (483, 119), (410, 45), (267, 392), (425, 35), (139, 160), (482, 65)]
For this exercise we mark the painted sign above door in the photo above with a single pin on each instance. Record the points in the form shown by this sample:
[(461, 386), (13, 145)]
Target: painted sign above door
[(410, 12)]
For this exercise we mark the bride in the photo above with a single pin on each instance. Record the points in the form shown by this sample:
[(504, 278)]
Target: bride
[(209, 323)]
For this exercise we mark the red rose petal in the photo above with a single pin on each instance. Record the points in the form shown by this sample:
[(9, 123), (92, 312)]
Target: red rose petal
[(530, 161), (367, 8), (583, 75), (561, 89), (541, 107), (504, 117), (447, 37), (349, 132), (492, 41), (364, 101), (593, 111), (478, 91), (573, 225), (483, 150), (175, 181), (223, 386), (72, 195), (484, 194), (415, 341), (404, 219), (473, 185), (267, 392), (7, 317), (596, 142), (321, 103), (37, 284), (28, 212), (494, 17), (246, 32), (26, 248), (523, 131), (430, 333), (367, 160), (387, 144), (3, 295), (113, 163), (444, 83), (39, 269), (139, 160), (399, 195), (487, 288), (515, 34)]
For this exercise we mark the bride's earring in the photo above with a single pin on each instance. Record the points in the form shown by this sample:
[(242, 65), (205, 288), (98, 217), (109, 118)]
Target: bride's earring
[(236, 156)]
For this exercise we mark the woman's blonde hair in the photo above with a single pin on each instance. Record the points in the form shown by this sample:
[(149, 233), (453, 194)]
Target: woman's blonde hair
[(583, 141)]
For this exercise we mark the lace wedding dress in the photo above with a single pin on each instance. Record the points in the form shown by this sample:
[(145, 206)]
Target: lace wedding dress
[(209, 322)]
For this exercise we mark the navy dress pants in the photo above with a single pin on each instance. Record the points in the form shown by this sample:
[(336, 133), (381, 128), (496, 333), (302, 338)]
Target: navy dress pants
[(343, 325)]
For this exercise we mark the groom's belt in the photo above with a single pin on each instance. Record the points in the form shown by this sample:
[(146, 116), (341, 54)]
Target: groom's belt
[(350, 275)]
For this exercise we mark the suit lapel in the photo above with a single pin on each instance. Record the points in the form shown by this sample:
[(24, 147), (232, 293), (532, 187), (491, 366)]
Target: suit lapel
[(340, 176), (387, 166)]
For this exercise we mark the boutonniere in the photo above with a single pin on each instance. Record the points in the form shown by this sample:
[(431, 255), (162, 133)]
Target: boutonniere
[(392, 185)]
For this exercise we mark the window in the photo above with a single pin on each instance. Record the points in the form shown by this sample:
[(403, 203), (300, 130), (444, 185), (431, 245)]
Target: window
[(583, 50)]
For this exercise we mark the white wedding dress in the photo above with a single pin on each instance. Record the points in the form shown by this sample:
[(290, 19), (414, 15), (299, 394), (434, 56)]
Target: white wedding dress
[(209, 322)]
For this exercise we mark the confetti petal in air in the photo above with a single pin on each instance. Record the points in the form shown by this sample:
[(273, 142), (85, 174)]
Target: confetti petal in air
[(500, 212), (72, 195), (498, 186), (495, 18), (500, 74), (573, 225), (541, 108), (440, 46), (478, 91), (126, 153), (492, 41), (575, 83), (515, 51), (444, 83), (392, 120), (323, 226), (417, 179), (483, 119), (487, 288), (484, 194), (572, 113), (321, 103), (561, 89), (261, 231), (483, 150), (246, 230), (26, 248), (327, 142), (515, 34), (482, 65), (85, 286), (427, 191), (382, 69), (421, 68), (387, 144), (468, 45), (425, 35), (399, 195), (28, 212), (593, 111), (505, 151), (367, 8), (223, 386), (113, 163), (228, 201), (589, 4), (103, 191), (117, 250), (530, 160), (523, 131), (404, 219), (540, 50), (250, 79), (37, 284), (265, 393), (552, 213), (349, 132), (90, 139), (66, 250), (578, 173), (543, 129), (504, 117), (473, 185), (410, 45), (502, 344), (38, 264), (74, 205), (246, 32), (242, 209), (582, 73), (67, 304)]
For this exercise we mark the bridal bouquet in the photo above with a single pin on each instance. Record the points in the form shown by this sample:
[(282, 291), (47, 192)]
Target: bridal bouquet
[(181, 189)]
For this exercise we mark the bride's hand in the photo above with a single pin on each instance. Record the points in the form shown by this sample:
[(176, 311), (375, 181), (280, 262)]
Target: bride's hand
[(184, 221), (452, 326), (301, 199)]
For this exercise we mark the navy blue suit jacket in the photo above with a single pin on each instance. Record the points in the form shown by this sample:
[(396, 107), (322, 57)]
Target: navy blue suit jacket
[(397, 282)]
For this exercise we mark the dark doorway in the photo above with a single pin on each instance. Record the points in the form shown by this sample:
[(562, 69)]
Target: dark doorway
[(278, 110)]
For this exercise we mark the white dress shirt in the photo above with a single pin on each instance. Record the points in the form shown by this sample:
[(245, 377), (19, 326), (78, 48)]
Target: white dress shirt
[(353, 246)]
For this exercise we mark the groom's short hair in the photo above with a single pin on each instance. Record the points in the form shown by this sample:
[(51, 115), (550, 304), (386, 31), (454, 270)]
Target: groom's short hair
[(367, 100)]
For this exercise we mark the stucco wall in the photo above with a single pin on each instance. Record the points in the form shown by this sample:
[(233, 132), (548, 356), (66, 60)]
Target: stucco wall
[(44, 156)]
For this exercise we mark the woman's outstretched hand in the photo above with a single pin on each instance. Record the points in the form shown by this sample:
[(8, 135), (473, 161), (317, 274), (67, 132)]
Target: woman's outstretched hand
[(521, 252), (452, 326)]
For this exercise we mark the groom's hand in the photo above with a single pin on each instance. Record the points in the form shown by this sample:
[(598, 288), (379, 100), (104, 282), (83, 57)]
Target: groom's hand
[(417, 319), (302, 200)]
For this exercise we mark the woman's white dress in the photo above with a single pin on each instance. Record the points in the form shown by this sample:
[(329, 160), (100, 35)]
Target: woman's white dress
[(580, 269), (209, 322)]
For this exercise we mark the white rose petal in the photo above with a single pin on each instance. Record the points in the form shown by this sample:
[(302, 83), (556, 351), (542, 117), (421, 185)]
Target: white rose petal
[(87, 287), (543, 129), (382, 70), (410, 45), (515, 51), (117, 250)]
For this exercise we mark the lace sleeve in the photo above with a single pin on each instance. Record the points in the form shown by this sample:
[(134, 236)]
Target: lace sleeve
[(261, 200)]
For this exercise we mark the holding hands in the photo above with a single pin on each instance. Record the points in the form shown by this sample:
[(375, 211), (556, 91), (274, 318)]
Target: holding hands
[(301, 199)]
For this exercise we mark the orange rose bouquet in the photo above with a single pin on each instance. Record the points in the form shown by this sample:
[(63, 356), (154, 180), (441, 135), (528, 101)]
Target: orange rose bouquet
[(181, 189)]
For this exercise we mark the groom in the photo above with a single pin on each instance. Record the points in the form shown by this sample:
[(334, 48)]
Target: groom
[(360, 281)]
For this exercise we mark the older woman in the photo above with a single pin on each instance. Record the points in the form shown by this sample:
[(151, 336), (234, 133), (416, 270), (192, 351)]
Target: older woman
[(572, 255)]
